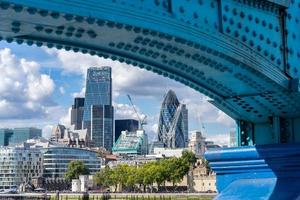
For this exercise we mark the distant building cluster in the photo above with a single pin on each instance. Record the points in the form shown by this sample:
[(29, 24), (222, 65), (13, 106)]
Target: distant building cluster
[(96, 138)]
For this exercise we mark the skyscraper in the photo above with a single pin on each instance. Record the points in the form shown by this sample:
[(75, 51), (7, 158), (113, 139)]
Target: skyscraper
[(77, 113), (129, 125), (98, 110), (102, 126), (173, 122)]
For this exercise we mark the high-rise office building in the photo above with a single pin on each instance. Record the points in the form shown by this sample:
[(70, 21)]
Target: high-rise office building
[(173, 122), (77, 113), (22, 134), (98, 110), (102, 126), (130, 125), (5, 135)]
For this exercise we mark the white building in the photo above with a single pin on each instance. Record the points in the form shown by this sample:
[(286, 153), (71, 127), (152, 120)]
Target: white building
[(18, 165), (197, 143), (83, 184)]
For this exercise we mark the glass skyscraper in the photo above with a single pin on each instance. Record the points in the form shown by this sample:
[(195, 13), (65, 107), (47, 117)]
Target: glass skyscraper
[(173, 122), (98, 110), (77, 113)]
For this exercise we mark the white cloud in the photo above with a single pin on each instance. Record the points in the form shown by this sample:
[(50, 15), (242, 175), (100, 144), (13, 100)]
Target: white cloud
[(140, 83), (47, 130), (66, 118), (62, 90), (24, 92), (220, 139)]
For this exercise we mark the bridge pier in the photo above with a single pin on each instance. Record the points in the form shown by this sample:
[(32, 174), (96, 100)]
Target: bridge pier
[(257, 172)]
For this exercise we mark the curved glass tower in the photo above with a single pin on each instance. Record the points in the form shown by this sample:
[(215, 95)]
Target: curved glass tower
[(173, 122)]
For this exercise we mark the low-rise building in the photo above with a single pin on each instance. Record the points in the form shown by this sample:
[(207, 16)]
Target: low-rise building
[(69, 137), (197, 143), (131, 143), (18, 165), (203, 180), (56, 160)]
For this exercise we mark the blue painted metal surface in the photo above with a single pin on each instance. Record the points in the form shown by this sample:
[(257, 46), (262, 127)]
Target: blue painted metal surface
[(243, 54), (257, 172)]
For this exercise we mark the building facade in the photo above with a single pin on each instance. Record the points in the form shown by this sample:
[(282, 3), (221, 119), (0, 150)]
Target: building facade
[(22, 134), (5, 135), (131, 143), (98, 110), (69, 137), (130, 125), (77, 113), (56, 160), (197, 143), (102, 126), (18, 165), (173, 122)]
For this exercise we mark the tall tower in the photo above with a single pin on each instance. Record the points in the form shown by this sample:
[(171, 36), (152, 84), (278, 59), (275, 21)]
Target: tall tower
[(98, 110), (173, 122), (77, 113)]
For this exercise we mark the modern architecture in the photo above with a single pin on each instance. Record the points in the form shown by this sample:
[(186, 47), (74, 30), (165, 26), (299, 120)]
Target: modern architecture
[(98, 110), (18, 165), (5, 135), (22, 134), (77, 113), (130, 125), (102, 126), (131, 143), (173, 122), (56, 160)]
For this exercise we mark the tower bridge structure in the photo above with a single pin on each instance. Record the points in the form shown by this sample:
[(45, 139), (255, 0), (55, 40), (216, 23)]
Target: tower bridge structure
[(243, 54)]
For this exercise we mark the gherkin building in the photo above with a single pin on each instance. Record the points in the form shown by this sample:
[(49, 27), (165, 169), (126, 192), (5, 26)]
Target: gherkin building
[(173, 122)]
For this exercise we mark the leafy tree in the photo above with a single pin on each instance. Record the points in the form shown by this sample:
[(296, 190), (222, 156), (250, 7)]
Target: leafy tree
[(189, 157), (103, 177), (76, 168)]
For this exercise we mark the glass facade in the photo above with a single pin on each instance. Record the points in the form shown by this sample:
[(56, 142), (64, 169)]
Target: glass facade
[(102, 126), (130, 125), (77, 113), (173, 122), (22, 134), (5, 135), (98, 110), (19, 165), (135, 143), (56, 160)]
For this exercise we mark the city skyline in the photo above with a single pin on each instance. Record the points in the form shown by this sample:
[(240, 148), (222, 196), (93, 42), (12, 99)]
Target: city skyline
[(63, 73)]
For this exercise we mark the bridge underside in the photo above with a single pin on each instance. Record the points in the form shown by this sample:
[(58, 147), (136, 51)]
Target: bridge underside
[(244, 55), (234, 52)]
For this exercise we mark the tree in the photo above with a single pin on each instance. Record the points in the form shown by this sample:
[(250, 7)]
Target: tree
[(103, 177), (76, 168), (189, 157)]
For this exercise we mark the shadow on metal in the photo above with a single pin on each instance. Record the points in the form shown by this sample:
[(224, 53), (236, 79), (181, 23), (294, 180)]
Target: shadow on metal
[(257, 172)]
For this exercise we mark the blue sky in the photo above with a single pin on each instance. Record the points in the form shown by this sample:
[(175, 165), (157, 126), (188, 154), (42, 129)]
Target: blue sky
[(42, 83)]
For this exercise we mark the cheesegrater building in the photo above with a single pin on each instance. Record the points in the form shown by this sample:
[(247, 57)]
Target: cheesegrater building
[(98, 110), (173, 122)]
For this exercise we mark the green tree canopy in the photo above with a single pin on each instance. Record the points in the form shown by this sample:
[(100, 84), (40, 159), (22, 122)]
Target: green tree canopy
[(76, 168)]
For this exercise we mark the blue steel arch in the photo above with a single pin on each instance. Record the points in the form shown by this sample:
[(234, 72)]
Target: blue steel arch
[(242, 54)]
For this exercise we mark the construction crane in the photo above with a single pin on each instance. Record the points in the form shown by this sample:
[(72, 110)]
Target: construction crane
[(142, 121)]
